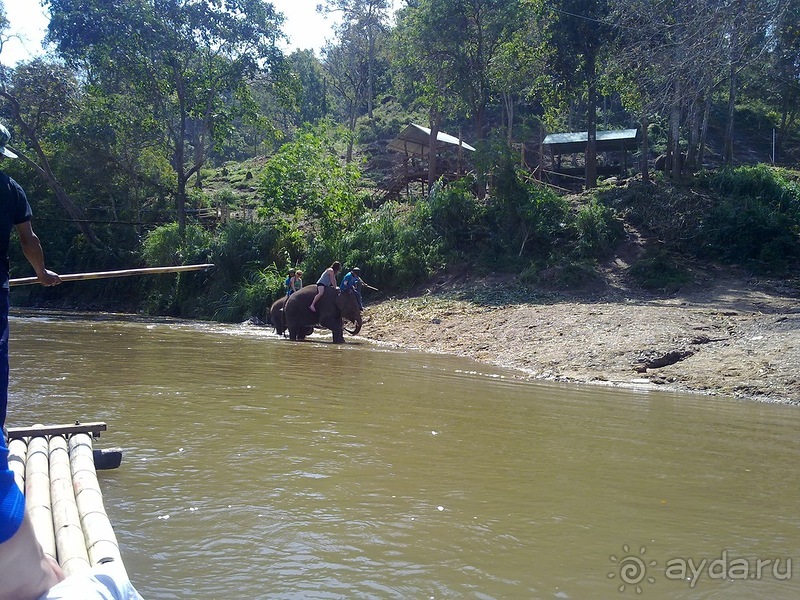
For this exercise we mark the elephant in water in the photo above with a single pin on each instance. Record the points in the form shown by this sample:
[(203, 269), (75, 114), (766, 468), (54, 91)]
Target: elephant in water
[(332, 310), (278, 320), (276, 317)]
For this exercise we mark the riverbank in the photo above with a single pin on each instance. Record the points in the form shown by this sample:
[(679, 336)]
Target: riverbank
[(726, 334)]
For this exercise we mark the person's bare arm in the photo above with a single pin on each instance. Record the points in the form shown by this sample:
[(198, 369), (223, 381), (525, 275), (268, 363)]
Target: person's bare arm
[(32, 248), (26, 572)]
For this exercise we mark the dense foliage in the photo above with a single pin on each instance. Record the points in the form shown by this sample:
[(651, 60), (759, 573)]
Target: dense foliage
[(178, 132)]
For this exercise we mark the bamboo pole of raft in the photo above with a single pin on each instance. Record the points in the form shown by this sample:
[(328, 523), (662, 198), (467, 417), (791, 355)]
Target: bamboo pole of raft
[(111, 274), (100, 539), (37, 494), (17, 451), (72, 555)]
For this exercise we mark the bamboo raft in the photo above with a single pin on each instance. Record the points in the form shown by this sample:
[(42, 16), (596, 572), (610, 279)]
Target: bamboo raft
[(55, 467)]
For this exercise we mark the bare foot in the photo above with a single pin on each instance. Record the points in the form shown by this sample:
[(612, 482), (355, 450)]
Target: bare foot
[(312, 308)]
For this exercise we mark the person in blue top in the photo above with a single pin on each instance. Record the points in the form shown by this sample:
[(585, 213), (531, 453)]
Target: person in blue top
[(294, 282), (352, 281), (15, 213)]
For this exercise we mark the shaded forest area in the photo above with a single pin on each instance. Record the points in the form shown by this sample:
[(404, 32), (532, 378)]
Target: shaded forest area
[(177, 132)]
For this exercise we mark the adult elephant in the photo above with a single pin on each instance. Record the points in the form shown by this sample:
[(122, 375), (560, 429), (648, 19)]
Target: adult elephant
[(332, 309), (276, 317)]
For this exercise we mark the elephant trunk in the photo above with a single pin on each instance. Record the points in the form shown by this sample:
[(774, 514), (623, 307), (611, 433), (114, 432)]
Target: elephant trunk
[(357, 328)]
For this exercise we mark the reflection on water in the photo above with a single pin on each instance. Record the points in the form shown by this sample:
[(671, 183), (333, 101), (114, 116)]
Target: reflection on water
[(260, 468)]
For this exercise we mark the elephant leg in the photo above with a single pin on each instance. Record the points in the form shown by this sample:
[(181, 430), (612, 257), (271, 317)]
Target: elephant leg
[(293, 333), (338, 336)]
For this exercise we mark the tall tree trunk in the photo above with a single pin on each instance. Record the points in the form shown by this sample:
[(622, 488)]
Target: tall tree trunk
[(591, 143), (644, 162), (435, 118), (701, 153), (351, 125), (729, 123), (179, 152), (508, 104), (370, 71), (180, 205), (731, 105), (694, 133), (674, 157), (179, 164)]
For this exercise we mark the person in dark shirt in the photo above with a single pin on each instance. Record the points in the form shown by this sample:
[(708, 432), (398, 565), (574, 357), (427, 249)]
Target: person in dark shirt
[(15, 213)]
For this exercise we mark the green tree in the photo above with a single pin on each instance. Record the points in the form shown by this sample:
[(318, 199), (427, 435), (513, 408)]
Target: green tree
[(782, 88), (312, 103), (345, 65), (3, 24), (307, 179), (515, 70), (578, 35), (39, 95), (362, 24), (428, 61), (189, 60)]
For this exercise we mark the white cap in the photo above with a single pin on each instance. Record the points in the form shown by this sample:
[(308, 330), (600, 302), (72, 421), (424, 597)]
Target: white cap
[(5, 137)]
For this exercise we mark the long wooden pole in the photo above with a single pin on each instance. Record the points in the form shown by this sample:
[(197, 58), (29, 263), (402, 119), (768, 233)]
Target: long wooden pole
[(110, 274)]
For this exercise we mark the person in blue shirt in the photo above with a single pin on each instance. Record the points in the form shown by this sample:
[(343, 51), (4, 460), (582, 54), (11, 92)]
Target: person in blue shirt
[(352, 281)]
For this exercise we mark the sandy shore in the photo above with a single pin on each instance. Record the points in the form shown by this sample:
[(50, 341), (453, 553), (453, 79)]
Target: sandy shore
[(727, 335)]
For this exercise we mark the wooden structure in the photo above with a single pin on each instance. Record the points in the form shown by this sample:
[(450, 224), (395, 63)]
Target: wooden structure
[(615, 145), (414, 143), (55, 468)]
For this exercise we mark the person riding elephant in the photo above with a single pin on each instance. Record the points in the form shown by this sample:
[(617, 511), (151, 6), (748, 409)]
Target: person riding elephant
[(332, 308)]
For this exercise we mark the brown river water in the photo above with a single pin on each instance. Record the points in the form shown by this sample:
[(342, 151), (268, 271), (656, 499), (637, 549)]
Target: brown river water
[(256, 467)]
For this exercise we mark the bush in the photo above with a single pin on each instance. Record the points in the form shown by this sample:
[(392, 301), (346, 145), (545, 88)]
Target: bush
[(456, 216), (598, 230), (394, 246), (252, 298), (177, 296), (526, 220), (164, 245), (767, 185), (749, 230)]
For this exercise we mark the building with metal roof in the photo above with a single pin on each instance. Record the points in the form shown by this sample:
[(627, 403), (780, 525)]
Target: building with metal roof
[(612, 147), (415, 140), (607, 141)]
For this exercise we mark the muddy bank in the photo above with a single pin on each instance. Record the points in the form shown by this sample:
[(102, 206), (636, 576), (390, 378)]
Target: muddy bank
[(736, 336)]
